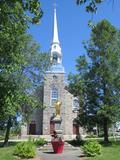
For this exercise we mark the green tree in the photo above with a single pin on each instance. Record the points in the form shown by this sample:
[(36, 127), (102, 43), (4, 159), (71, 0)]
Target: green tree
[(18, 86), (14, 22), (98, 77), (91, 5), (23, 11), (21, 64)]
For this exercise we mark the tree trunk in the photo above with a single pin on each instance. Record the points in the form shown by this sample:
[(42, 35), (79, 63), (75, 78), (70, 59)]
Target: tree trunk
[(7, 132), (105, 128)]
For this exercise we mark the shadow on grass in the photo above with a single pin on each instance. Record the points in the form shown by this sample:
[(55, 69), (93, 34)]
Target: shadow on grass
[(76, 143), (9, 144), (112, 142), (80, 143)]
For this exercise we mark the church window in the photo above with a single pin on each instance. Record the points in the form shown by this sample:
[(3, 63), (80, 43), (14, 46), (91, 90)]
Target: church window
[(75, 104), (54, 96)]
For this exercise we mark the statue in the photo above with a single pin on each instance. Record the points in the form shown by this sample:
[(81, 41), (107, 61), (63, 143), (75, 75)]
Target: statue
[(57, 107)]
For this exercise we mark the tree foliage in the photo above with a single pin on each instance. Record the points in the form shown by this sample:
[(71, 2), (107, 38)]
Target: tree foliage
[(19, 83), (91, 5), (21, 10), (21, 64), (98, 82)]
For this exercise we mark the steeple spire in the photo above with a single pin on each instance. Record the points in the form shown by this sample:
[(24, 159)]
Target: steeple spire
[(55, 33), (55, 50), (56, 55)]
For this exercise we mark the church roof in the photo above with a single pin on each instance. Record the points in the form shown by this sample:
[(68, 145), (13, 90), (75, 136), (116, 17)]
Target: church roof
[(56, 68)]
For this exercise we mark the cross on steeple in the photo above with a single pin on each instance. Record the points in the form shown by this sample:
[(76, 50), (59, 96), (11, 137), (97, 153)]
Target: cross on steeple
[(55, 5)]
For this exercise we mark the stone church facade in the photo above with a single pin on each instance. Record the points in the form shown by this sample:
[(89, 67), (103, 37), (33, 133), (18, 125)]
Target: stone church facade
[(54, 89)]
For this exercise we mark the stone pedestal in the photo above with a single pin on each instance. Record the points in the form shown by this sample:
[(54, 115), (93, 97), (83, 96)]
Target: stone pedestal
[(57, 121), (57, 142)]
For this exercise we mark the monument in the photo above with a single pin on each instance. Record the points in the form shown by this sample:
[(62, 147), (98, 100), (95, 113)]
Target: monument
[(57, 142), (57, 107), (58, 119)]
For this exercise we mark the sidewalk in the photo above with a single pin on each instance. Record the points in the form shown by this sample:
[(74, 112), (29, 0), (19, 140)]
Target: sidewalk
[(69, 153), (66, 155)]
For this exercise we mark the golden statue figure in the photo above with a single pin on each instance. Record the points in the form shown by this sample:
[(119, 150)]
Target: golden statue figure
[(57, 107)]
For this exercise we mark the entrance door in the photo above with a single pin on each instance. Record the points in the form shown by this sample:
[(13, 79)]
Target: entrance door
[(32, 128), (76, 129), (52, 127)]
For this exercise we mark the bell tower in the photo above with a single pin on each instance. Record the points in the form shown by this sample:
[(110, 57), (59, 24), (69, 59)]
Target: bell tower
[(55, 50)]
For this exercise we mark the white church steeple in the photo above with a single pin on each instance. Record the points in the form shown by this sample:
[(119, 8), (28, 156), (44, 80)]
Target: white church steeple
[(55, 33), (55, 51)]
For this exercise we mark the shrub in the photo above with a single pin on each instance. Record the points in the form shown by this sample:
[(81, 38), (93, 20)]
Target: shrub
[(25, 150), (39, 141), (92, 148)]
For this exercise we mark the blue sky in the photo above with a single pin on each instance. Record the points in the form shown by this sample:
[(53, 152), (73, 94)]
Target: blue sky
[(72, 25)]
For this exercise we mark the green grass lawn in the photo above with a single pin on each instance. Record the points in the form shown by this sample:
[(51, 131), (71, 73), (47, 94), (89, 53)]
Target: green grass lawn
[(6, 153), (110, 152)]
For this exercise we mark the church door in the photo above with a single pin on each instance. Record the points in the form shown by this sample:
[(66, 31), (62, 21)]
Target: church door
[(52, 127), (32, 128), (75, 129)]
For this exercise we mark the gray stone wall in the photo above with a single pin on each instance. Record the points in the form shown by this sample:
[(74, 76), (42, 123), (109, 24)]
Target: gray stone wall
[(37, 117), (49, 83), (68, 114), (42, 117), (66, 108)]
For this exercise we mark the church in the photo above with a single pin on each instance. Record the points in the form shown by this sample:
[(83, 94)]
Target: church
[(54, 89)]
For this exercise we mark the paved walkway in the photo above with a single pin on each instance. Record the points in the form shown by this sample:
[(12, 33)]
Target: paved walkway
[(64, 156), (69, 153)]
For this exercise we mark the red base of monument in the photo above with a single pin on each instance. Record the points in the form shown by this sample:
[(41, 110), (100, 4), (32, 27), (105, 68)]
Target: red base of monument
[(58, 146)]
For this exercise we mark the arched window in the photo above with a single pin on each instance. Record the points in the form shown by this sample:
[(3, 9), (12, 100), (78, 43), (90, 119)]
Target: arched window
[(75, 106), (54, 96), (55, 58)]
